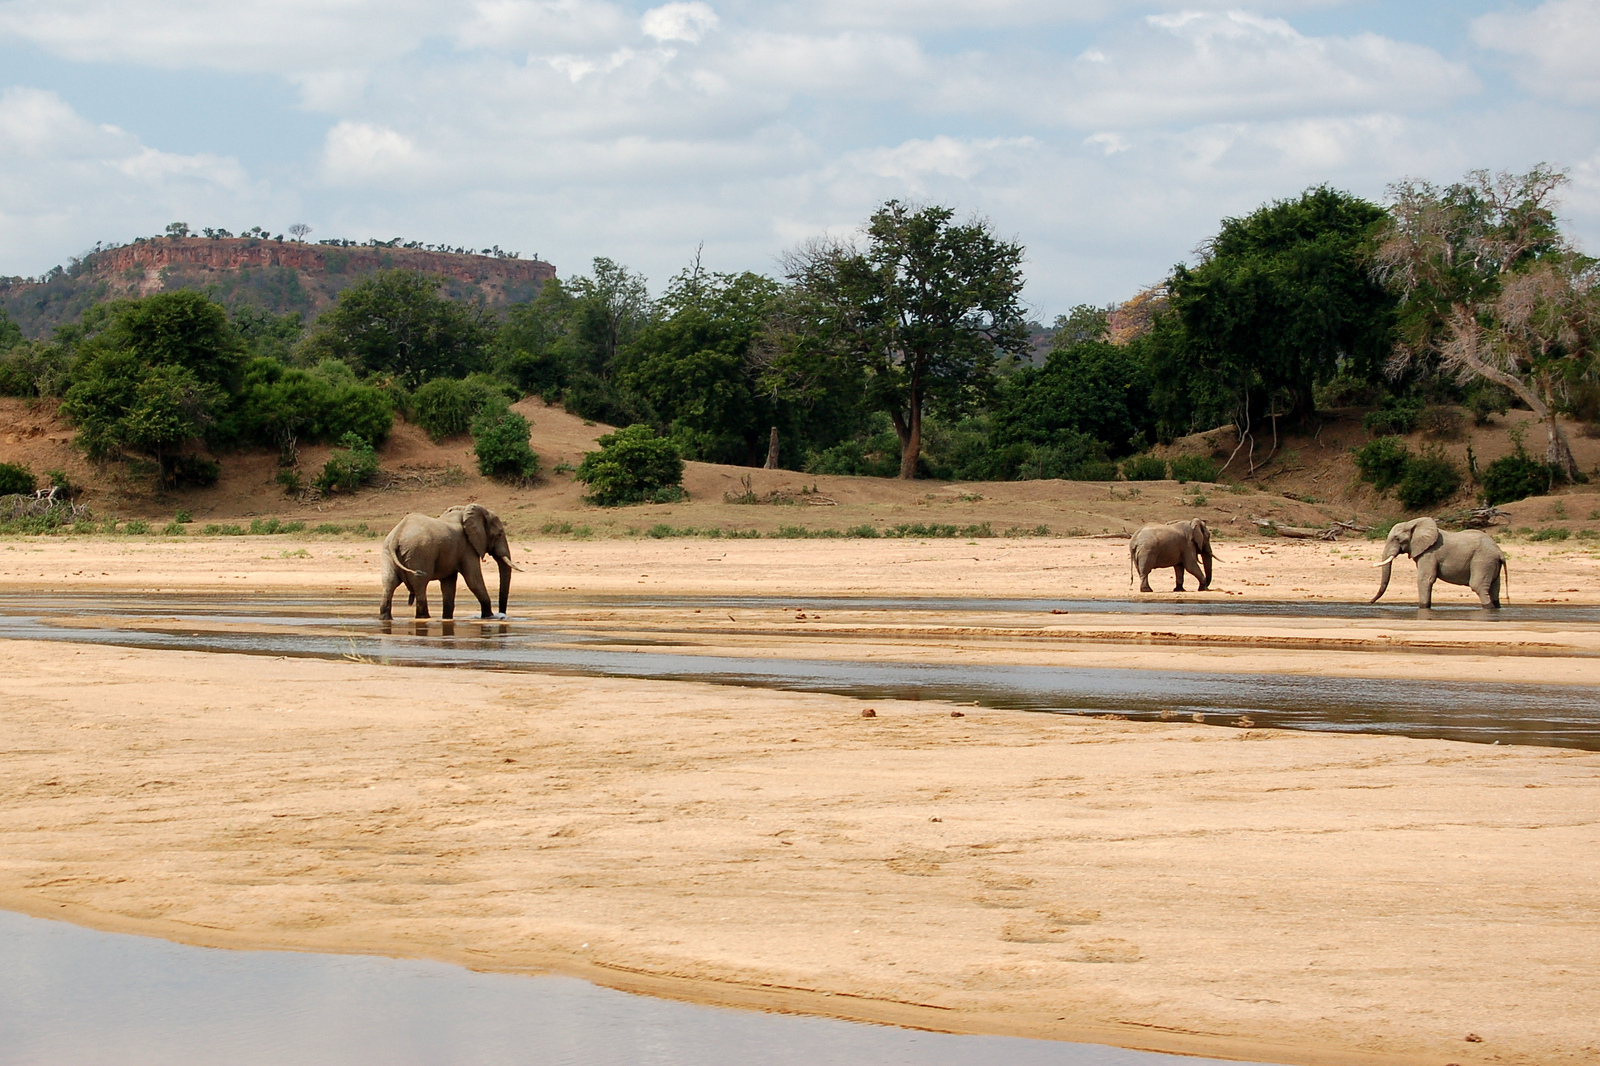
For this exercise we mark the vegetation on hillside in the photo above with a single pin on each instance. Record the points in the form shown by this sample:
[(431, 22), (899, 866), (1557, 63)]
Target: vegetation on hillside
[(904, 354)]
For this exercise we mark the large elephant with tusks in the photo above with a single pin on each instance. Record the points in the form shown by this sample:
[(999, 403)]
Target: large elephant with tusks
[(1470, 558), (1185, 546), (421, 549)]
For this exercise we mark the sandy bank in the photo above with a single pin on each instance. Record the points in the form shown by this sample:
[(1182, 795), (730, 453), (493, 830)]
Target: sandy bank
[(1284, 897)]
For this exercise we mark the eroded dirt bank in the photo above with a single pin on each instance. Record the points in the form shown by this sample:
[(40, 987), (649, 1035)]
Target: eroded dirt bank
[(1282, 897)]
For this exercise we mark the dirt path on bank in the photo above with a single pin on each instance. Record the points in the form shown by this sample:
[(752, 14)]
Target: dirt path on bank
[(1282, 897)]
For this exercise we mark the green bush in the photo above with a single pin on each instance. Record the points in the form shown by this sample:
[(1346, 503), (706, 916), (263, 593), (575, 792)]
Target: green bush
[(173, 529), (280, 406), (214, 529), (1516, 477), (1393, 418), (1382, 462), (633, 465), (1551, 533), (1427, 480), (135, 527), (1193, 468), (502, 448), (446, 407), (1441, 423), (1144, 468), (1486, 400), (349, 470), (15, 479), (1094, 470), (196, 470)]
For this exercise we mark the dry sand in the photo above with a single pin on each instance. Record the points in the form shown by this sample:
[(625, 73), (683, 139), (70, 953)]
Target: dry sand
[(1283, 897)]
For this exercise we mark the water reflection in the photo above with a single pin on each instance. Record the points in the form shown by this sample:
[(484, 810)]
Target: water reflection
[(77, 997), (1557, 715)]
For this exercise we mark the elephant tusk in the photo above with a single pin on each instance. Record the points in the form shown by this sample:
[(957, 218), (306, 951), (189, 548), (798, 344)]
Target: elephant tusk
[(1385, 562)]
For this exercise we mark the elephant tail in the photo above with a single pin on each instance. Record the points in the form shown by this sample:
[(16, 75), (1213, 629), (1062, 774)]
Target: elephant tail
[(1505, 568), (388, 550)]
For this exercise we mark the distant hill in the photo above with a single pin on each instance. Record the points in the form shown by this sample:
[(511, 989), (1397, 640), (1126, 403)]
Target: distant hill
[(268, 274)]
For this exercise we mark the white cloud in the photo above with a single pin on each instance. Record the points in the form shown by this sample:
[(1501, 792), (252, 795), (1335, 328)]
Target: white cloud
[(66, 182), (358, 152), (1556, 46), (679, 21)]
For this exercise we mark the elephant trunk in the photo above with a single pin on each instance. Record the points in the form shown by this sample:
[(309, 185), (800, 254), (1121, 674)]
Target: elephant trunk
[(1388, 566), (504, 562), (1205, 559)]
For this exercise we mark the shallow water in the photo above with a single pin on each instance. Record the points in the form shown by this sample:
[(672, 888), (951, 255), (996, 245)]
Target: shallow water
[(324, 627), (77, 997)]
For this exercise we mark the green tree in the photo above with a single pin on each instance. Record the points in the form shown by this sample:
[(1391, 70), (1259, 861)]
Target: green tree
[(121, 405), (533, 348), (396, 323), (693, 364), (632, 465), (1492, 290), (181, 328), (1280, 300), (1089, 386), (10, 332), (924, 309)]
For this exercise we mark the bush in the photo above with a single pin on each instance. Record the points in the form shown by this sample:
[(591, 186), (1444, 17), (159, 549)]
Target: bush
[(1144, 468), (196, 470), (350, 469), (1427, 480), (1394, 417), (173, 529), (281, 406), (1486, 400), (136, 527), (1516, 477), (15, 479), (1382, 462), (446, 407), (502, 448), (1193, 468), (1094, 470), (633, 465), (1441, 423), (1551, 533)]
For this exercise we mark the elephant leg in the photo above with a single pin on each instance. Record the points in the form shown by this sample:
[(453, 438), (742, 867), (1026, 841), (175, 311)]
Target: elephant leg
[(391, 581), (1486, 583), (1193, 566), (1144, 579), (1425, 580), (447, 595), (1177, 572), (473, 574), (418, 585)]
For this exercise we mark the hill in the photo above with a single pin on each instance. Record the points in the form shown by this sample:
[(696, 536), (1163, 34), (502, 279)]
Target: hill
[(1311, 481), (268, 274)]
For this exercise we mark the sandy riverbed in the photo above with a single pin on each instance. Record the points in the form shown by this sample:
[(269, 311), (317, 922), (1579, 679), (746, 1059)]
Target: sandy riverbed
[(1291, 898)]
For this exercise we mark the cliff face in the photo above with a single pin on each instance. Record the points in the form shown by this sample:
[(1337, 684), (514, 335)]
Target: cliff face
[(274, 276), (141, 267)]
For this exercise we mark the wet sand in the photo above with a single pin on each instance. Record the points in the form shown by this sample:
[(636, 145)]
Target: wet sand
[(1283, 897)]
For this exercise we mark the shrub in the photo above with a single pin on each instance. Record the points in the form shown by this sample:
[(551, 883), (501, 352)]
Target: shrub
[(1427, 480), (1193, 468), (1441, 423), (15, 479), (1094, 470), (446, 407), (633, 465), (136, 527), (1516, 477), (1144, 468), (1486, 400), (1382, 462), (196, 470), (350, 469), (502, 448), (173, 529), (1551, 533), (1394, 417)]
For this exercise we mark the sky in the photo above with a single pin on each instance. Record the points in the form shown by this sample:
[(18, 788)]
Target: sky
[(1108, 138)]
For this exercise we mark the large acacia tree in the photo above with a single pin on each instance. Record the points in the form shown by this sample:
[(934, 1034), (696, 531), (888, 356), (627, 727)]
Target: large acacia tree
[(923, 310), (1491, 289)]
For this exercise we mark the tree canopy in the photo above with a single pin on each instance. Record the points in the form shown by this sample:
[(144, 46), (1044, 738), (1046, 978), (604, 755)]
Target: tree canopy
[(397, 323)]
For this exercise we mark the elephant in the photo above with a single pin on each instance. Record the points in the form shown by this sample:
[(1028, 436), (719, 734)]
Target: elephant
[(420, 549), (1181, 545), (1470, 558)]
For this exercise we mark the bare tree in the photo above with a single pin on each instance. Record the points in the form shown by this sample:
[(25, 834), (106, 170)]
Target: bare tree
[(1491, 288), (299, 230)]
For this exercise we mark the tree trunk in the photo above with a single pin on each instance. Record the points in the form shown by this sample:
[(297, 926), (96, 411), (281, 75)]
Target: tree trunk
[(772, 451), (911, 441)]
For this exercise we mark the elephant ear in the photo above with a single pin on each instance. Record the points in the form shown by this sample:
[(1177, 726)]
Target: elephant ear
[(1424, 535), (1199, 535), (475, 525)]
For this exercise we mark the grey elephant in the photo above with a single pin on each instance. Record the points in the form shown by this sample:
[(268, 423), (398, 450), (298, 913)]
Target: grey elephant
[(420, 549), (1184, 546), (1470, 558)]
